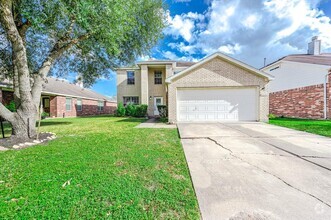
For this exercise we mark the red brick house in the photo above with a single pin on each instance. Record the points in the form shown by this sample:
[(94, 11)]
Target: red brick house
[(63, 99), (301, 87)]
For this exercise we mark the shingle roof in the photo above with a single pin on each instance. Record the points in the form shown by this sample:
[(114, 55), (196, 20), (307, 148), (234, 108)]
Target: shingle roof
[(62, 87), (178, 63), (185, 64), (55, 86), (322, 59)]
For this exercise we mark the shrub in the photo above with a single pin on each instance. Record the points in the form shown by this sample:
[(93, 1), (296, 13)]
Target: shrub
[(120, 110), (272, 116), (141, 111), (130, 110), (11, 106), (163, 111), (44, 115)]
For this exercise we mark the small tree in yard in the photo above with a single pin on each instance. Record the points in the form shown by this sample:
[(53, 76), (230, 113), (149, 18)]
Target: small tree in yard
[(41, 38)]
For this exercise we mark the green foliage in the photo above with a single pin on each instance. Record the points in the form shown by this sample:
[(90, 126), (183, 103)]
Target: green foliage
[(113, 168), (138, 111), (11, 106), (120, 112), (163, 120), (141, 111), (44, 115), (130, 110), (272, 116), (114, 33), (163, 111)]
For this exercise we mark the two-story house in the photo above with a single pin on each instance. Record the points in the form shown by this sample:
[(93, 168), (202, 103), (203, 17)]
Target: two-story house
[(217, 88), (301, 88)]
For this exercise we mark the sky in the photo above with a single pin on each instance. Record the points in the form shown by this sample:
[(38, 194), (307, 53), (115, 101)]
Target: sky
[(248, 30)]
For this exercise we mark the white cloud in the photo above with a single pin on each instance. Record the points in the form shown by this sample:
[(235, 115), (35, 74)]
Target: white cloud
[(172, 56), (230, 49), (183, 25), (252, 30), (251, 21), (186, 49)]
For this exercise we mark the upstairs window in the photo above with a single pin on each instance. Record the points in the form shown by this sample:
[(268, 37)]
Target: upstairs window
[(130, 75), (68, 104), (157, 77), (131, 100), (79, 104), (100, 106)]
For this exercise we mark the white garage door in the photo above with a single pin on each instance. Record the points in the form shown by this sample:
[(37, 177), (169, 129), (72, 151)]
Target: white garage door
[(236, 104)]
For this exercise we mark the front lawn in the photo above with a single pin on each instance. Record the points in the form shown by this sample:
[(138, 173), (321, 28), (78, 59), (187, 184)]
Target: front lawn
[(321, 127), (98, 168)]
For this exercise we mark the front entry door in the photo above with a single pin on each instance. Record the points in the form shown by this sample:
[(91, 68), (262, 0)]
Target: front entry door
[(157, 101)]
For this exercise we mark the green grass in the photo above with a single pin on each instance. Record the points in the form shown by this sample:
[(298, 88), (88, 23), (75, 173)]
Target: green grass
[(321, 127), (6, 129), (115, 170)]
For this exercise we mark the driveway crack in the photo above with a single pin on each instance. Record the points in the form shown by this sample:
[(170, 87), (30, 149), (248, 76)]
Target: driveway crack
[(267, 172)]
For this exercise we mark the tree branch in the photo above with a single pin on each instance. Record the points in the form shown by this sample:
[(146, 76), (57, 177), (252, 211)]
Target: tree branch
[(21, 63), (58, 49), (5, 113), (23, 28)]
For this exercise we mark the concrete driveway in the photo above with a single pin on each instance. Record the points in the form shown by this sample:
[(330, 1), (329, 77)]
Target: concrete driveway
[(258, 171)]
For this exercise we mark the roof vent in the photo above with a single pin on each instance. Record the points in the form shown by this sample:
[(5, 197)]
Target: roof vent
[(314, 47)]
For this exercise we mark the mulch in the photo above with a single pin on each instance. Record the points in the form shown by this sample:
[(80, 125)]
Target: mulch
[(11, 141)]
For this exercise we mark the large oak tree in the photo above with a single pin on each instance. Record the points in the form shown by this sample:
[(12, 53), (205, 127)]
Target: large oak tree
[(89, 37)]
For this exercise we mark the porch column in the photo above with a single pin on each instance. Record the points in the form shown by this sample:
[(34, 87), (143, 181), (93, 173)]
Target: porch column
[(169, 71), (144, 85)]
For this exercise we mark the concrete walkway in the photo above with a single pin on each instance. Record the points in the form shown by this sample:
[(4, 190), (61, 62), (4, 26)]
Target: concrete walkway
[(153, 123), (258, 171)]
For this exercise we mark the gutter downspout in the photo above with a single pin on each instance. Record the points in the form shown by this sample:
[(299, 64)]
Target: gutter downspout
[(325, 94)]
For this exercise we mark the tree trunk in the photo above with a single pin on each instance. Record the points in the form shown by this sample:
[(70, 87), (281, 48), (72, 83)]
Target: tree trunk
[(24, 127), (24, 120)]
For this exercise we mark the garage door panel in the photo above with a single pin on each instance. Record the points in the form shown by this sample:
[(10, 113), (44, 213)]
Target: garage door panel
[(237, 104)]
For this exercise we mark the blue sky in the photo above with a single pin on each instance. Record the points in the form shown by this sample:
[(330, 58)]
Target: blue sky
[(248, 30)]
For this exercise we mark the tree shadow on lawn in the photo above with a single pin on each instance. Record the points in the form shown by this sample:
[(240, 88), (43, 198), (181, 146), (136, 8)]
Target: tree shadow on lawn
[(51, 123), (132, 120)]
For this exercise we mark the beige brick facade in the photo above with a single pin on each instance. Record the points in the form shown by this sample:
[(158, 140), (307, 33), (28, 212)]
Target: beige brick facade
[(219, 73), (158, 90), (123, 89), (216, 72)]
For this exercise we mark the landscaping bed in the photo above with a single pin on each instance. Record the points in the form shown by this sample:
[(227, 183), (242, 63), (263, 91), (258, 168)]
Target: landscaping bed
[(20, 143), (98, 168), (321, 127)]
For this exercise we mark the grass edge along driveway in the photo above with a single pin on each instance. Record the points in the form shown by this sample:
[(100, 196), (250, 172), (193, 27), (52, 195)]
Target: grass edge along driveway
[(98, 168), (320, 127)]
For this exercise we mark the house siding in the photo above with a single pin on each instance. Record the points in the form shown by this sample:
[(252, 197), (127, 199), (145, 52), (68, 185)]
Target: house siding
[(303, 102), (288, 73), (219, 73), (89, 107), (123, 89), (154, 90), (58, 108)]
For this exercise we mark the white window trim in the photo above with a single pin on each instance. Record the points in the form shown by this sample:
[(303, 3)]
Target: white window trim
[(70, 104), (99, 106), (81, 105)]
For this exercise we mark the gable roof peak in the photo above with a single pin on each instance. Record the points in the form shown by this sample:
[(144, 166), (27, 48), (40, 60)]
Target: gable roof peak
[(223, 57)]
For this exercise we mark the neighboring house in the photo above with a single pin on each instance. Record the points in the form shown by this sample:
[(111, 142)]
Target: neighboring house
[(63, 99), (301, 87), (217, 88)]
